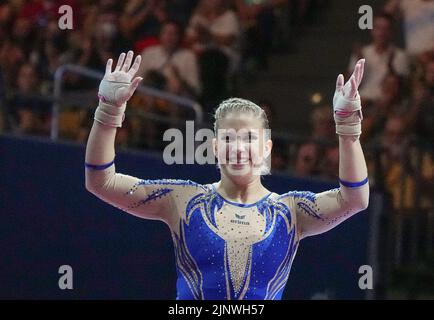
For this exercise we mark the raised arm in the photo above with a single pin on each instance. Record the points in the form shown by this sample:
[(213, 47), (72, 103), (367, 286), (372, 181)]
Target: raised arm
[(122, 191), (318, 213)]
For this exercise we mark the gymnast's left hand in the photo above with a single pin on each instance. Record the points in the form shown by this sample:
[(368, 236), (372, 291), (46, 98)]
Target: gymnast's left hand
[(346, 99)]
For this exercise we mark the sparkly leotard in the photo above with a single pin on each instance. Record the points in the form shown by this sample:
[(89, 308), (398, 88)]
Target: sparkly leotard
[(227, 250), (223, 249)]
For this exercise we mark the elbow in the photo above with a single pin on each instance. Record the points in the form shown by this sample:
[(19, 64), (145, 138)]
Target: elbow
[(92, 186), (89, 186), (357, 201), (363, 203)]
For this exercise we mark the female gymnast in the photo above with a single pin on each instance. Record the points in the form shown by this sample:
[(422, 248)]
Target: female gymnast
[(233, 239)]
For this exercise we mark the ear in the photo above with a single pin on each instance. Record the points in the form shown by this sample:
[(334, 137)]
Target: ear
[(268, 148), (214, 146)]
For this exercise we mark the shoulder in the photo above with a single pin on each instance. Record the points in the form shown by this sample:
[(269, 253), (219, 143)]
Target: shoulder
[(295, 200), (173, 182), (308, 195)]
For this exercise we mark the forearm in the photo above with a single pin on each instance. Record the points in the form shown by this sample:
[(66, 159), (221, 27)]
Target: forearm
[(321, 212), (353, 170), (114, 90), (348, 117), (100, 145), (100, 151), (352, 164)]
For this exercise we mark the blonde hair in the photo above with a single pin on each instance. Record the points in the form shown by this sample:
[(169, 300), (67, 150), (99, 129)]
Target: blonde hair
[(238, 105)]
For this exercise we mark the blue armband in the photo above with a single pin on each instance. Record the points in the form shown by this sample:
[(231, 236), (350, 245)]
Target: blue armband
[(98, 167), (353, 184)]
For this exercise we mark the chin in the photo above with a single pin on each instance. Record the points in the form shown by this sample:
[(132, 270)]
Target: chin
[(242, 171)]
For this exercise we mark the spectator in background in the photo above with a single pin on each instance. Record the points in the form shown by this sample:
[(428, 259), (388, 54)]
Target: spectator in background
[(170, 67), (23, 34), (50, 53), (418, 24), (214, 25), (382, 57), (257, 21), (6, 14), (104, 42), (279, 158), (141, 21), (323, 124), (395, 142), (392, 101), (214, 33), (30, 112), (323, 134), (422, 113), (180, 10), (329, 164), (307, 161), (11, 57)]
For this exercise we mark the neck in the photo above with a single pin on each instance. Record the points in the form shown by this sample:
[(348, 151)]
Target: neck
[(244, 192)]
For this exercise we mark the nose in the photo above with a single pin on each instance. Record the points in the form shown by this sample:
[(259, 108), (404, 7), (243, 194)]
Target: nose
[(238, 150)]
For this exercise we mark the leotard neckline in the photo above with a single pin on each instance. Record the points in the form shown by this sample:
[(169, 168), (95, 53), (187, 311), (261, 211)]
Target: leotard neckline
[(244, 205)]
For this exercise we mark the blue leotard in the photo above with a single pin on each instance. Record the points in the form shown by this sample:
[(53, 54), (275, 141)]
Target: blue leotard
[(227, 250)]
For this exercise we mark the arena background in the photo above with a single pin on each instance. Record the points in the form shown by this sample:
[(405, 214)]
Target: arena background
[(290, 55)]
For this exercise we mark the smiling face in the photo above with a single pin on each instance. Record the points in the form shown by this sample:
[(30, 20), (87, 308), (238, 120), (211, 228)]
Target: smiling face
[(242, 146)]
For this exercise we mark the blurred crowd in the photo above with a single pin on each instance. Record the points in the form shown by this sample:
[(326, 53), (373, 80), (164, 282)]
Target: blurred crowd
[(398, 107), (198, 49), (192, 48)]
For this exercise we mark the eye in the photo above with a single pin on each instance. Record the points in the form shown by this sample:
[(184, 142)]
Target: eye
[(251, 137), (227, 138)]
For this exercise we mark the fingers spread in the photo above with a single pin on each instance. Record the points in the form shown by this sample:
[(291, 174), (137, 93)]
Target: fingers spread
[(340, 82), (120, 61), (108, 67), (353, 90), (136, 82), (135, 66), (362, 70), (128, 60), (133, 86)]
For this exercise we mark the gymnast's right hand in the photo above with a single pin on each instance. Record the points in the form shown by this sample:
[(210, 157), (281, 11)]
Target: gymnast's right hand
[(116, 88)]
